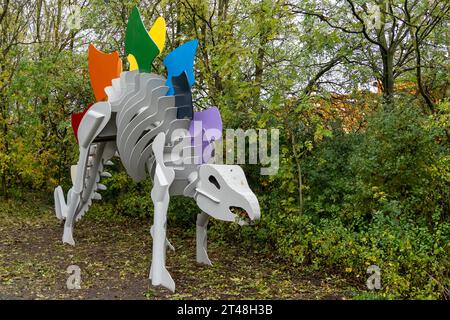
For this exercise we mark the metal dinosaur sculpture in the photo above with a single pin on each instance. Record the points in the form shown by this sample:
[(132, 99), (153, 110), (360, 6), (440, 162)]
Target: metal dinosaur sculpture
[(148, 121)]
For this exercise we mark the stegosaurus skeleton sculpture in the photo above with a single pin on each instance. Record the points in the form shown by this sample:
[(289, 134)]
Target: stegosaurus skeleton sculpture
[(148, 121)]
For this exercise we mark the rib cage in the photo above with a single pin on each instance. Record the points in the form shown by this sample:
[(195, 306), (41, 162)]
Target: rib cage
[(143, 111)]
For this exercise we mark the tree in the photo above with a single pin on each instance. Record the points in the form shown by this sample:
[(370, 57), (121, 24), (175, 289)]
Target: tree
[(395, 30)]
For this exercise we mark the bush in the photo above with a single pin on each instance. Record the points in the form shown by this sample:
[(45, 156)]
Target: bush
[(379, 196), (395, 162)]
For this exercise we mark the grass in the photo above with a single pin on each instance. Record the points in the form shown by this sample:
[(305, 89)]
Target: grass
[(114, 257)]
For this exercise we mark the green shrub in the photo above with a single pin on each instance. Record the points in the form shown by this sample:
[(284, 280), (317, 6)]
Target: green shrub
[(395, 162), (379, 196)]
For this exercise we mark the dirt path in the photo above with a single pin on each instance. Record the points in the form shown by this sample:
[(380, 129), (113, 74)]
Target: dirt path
[(114, 259)]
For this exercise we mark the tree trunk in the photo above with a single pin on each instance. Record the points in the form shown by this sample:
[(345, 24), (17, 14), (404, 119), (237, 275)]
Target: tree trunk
[(387, 57), (425, 96), (299, 172), (58, 24), (259, 68), (259, 62)]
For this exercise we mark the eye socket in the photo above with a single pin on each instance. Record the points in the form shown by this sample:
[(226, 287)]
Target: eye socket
[(214, 181)]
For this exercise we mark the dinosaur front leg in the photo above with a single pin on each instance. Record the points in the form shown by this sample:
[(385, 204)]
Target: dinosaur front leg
[(202, 241), (158, 272), (163, 178), (168, 244)]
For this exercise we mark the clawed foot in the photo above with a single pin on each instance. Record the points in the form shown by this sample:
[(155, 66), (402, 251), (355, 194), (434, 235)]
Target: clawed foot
[(202, 258), (162, 279)]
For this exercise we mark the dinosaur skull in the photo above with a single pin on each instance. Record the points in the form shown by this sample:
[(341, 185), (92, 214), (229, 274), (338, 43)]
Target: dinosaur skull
[(221, 188)]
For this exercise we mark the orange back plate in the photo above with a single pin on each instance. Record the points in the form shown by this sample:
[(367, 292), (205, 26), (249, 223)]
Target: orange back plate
[(103, 67)]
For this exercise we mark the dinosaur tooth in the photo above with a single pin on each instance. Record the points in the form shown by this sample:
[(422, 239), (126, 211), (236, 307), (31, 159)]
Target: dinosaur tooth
[(101, 187), (106, 174), (97, 196)]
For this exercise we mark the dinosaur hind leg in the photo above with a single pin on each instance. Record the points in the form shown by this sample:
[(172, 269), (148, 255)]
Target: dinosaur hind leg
[(68, 224), (201, 239)]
